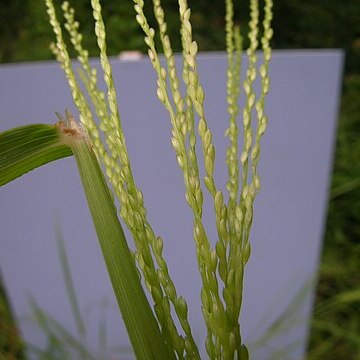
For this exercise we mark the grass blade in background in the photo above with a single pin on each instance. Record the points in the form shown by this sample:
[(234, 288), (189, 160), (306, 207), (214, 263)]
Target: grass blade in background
[(69, 284), (25, 148), (61, 343), (11, 344)]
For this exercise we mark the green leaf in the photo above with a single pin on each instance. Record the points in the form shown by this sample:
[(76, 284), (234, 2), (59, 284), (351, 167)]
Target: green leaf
[(25, 148), (139, 319)]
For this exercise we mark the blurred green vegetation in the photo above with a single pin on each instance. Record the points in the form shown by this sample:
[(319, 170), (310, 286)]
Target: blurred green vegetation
[(336, 325), (335, 333), (11, 346), (25, 34)]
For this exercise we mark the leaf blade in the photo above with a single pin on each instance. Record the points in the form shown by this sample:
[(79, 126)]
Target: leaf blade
[(147, 341), (25, 148)]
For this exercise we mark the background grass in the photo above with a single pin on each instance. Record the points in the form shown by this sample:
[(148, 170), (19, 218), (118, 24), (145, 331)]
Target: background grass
[(335, 332)]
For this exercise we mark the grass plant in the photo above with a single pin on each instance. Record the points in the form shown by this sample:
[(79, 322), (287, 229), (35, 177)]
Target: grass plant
[(341, 257), (99, 147)]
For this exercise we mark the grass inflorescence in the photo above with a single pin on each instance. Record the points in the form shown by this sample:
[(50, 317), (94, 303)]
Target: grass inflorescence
[(221, 266)]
